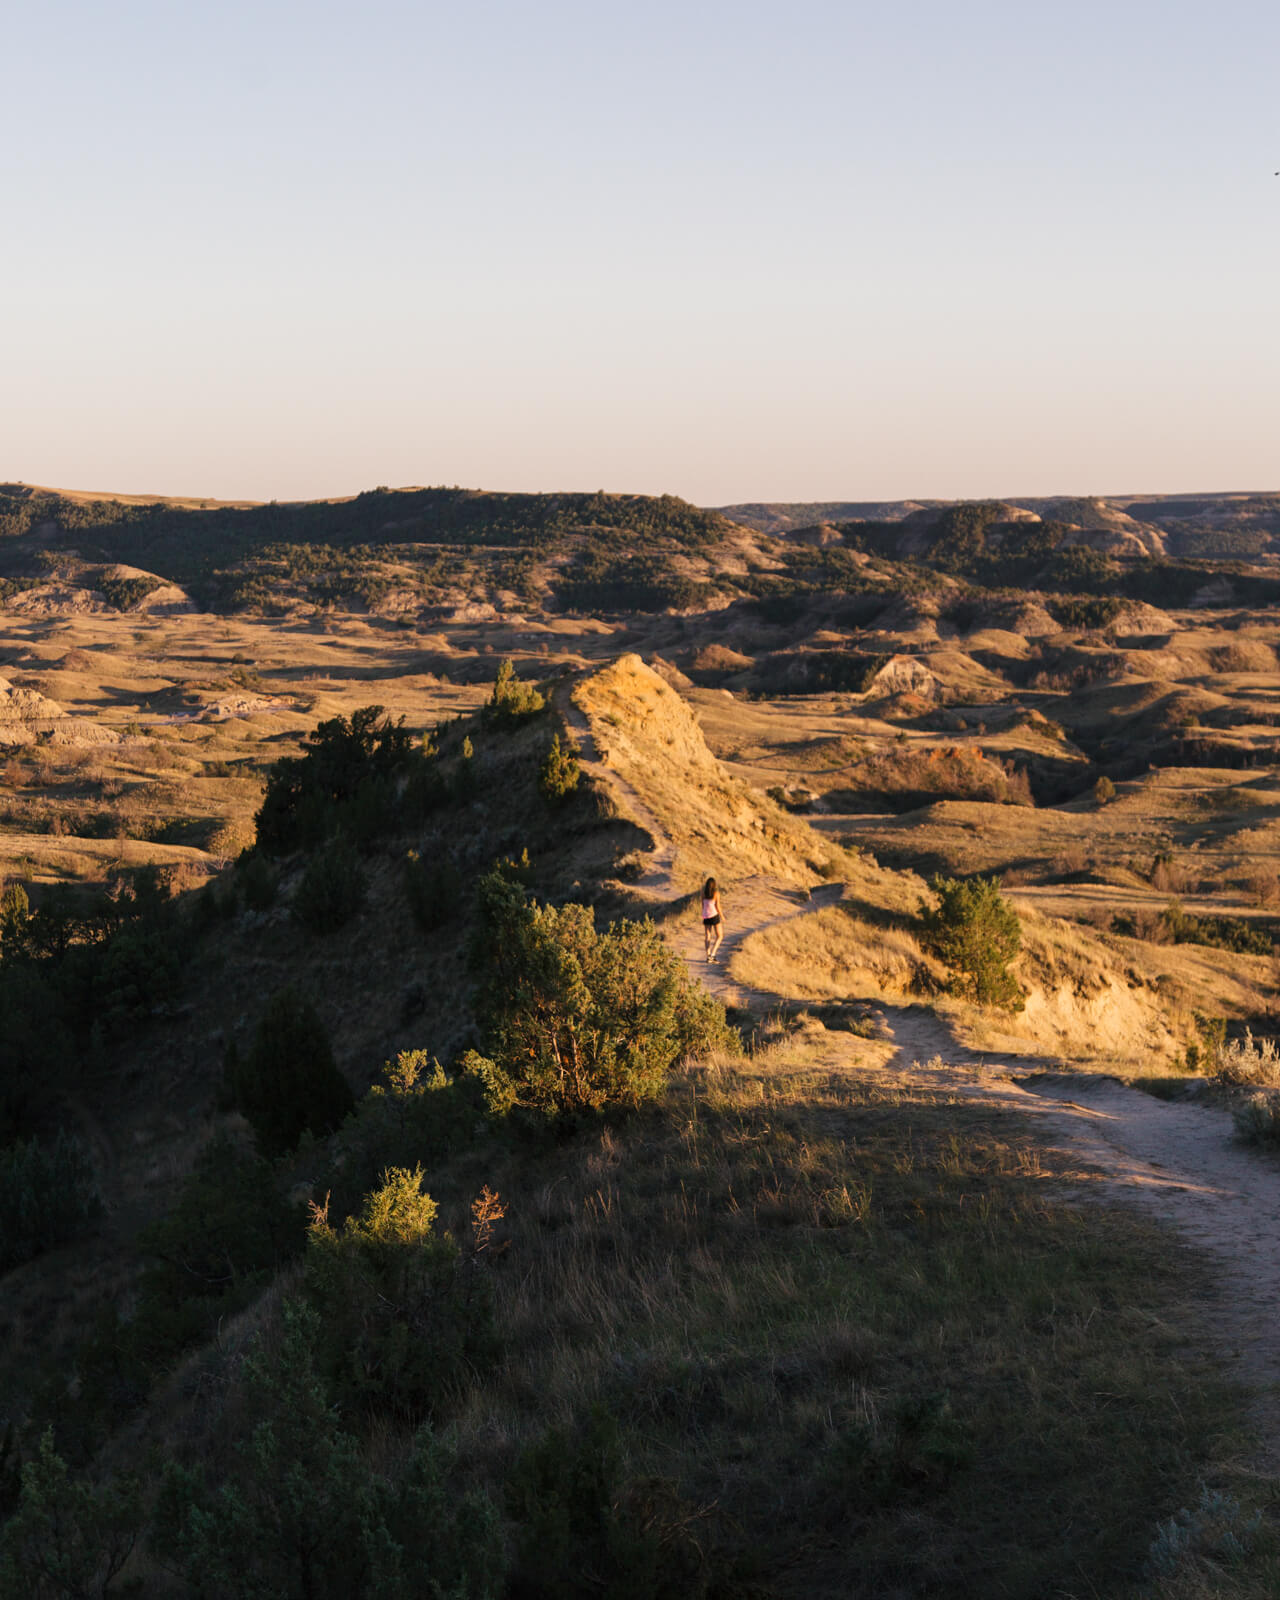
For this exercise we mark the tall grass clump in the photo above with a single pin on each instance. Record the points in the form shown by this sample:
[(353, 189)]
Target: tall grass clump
[(1247, 1061)]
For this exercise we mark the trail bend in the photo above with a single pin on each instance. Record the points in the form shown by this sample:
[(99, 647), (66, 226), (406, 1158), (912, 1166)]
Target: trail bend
[(1178, 1162)]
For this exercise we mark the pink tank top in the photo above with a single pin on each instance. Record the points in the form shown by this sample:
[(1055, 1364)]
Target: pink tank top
[(708, 909)]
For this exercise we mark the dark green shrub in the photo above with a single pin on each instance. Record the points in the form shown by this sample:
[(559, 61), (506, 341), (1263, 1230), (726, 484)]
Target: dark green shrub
[(511, 701), (427, 788), (137, 975), (402, 1316), (288, 1083), (559, 772), (67, 1538), (229, 1232), (464, 772), (331, 890), (1104, 790), (435, 888), (306, 794), (975, 931), (306, 1518), (417, 1113), (258, 881), (576, 1020), (35, 1047), (47, 1196), (370, 812)]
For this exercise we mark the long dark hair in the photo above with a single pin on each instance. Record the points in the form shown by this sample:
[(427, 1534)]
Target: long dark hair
[(709, 889)]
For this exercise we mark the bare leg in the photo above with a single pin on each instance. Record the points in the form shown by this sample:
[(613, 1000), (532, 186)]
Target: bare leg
[(715, 942)]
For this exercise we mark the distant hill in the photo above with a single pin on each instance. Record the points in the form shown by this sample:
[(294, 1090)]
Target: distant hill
[(1220, 526), (408, 547), (783, 518), (440, 555)]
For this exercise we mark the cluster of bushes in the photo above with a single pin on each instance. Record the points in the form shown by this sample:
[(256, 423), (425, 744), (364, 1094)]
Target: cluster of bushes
[(601, 581), (394, 1316), (816, 672), (79, 966), (341, 548), (125, 593), (1084, 612), (1174, 925), (307, 1516), (903, 780)]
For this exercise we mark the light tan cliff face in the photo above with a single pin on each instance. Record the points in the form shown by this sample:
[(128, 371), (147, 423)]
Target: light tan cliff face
[(650, 742)]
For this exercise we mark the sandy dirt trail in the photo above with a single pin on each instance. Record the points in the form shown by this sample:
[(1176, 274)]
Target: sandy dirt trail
[(1178, 1162)]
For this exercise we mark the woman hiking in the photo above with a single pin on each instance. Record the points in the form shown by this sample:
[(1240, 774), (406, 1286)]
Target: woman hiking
[(712, 918)]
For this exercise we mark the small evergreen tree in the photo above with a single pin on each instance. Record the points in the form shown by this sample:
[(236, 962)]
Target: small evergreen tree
[(288, 1082), (975, 931), (1104, 790), (67, 1537), (511, 700), (559, 773)]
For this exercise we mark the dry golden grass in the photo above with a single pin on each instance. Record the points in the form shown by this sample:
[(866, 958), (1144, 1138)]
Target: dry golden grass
[(113, 764), (844, 1321)]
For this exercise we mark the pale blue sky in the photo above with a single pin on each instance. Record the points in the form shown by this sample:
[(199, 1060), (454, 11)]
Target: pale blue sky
[(730, 251)]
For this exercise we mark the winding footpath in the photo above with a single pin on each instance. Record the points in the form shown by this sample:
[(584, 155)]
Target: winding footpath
[(1179, 1162)]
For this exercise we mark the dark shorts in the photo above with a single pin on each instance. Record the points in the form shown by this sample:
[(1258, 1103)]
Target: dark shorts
[(711, 922)]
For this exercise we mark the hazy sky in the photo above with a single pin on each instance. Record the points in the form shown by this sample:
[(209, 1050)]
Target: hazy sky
[(729, 251)]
